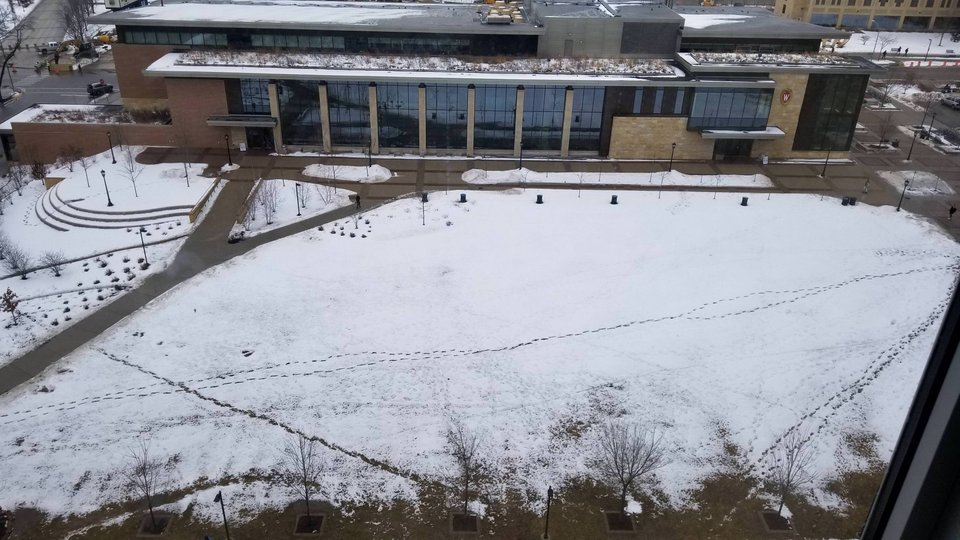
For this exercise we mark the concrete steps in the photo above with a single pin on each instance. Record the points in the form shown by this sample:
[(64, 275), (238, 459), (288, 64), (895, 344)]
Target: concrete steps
[(63, 215)]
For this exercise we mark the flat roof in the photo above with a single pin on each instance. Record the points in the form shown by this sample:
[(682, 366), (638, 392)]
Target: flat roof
[(725, 62), (746, 22), (319, 15)]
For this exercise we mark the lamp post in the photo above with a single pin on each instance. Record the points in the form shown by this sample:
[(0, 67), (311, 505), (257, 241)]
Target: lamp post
[(929, 44), (143, 246), (546, 525), (186, 174), (673, 148), (876, 41), (369, 154), (219, 499), (103, 173), (521, 154), (941, 39), (296, 189), (917, 132), (226, 138), (823, 173), (902, 193), (110, 142)]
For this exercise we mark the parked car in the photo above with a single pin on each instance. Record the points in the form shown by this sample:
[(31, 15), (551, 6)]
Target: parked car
[(98, 89)]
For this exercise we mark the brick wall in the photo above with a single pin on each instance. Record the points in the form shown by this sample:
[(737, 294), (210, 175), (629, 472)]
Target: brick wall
[(44, 141), (138, 90), (650, 137), (191, 101)]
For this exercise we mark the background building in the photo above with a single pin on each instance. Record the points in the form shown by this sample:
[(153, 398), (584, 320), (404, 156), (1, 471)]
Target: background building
[(937, 15), (603, 78)]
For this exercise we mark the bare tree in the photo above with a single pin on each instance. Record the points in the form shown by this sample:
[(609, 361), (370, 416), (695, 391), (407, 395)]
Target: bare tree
[(85, 162), (269, 197), (627, 452), (17, 259), (326, 193), (54, 261), (130, 167), (790, 465), (12, 29), (146, 475), (463, 444), (9, 303), (885, 40), (38, 169), (301, 468), (19, 175), (581, 176), (70, 154), (75, 14)]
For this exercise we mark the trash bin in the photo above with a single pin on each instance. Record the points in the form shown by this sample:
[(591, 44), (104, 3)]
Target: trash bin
[(539, 199), (743, 201), (463, 197), (845, 201), (853, 201), (613, 199)]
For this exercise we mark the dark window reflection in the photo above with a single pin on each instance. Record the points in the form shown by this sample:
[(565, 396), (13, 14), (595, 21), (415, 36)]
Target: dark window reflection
[(447, 116), (300, 112), (730, 108), (495, 108), (397, 112), (349, 105), (831, 105), (587, 115), (543, 117)]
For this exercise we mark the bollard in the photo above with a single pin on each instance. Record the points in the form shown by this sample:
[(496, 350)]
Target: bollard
[(539, 199), (463, 197), (845, 201), (613, 199), (853, 201), (743, 201), (423, 197)]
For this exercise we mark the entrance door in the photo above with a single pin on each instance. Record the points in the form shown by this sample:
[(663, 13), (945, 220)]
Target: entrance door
[(260, 138), (732, 149)]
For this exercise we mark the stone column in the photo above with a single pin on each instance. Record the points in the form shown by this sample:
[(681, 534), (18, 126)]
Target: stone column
[(518, 123), (325, 117), (422, 116), (567, 120), (275, 112), (374, 121), (471, 116)]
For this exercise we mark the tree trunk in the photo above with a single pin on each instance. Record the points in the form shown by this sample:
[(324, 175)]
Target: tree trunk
[(153, 520), (623, 502), (466, 492), (306, 498), (780, 510)]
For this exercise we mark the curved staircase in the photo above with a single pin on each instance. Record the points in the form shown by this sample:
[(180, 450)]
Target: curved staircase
[(60, 214)]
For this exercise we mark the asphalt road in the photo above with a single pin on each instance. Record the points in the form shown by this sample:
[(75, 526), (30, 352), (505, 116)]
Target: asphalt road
[(43, 24)]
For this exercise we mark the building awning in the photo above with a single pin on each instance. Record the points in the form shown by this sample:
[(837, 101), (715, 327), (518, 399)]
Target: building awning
[(771, 132), (241, 120)]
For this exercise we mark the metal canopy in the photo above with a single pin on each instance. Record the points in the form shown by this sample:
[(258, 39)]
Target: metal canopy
[(241, 120)]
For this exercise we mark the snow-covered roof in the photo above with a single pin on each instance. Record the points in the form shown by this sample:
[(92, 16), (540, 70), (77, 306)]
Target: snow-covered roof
[(370, 16), (745, 22), (767, 62), (59, 113), (235, 64)]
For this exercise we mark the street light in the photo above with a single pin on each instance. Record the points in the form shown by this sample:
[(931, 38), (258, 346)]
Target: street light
[(110, 142), (902, 193), (296, 189), (823, 173), (673, 148), (877, 41), (929, 43), (546, 526), (941, 39), (917, 132), (219, 499), (521, 153), (103, 173), (369, 154), (146, 262), (226, 137)]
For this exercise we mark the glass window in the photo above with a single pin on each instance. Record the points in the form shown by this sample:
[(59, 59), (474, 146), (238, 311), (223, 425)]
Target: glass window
[(397, 115), (678, 104), (254, 96), (136, 37), (495, 108), (300, 112), (831, 105), (587, 117), (543, 117), (349, 106), (730, 108), (447, 116)]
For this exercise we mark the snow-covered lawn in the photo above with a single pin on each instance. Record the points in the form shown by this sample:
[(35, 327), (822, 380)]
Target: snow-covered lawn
[(915, 42), (671, 178), (315, 199), (50, 303), (376, 173), (921, 183), (533, 323)]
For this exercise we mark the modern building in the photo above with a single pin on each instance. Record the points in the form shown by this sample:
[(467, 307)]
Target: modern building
[(930, 15), (620, 79)]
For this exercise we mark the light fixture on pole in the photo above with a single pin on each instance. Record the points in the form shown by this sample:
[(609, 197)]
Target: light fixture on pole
[(673, 148), (904, 192), (219, 499), (110, 142), (296, 190), (546, 525), (103, 173), (146, 262), (226, 137), (918, 131), (929, 44), (877, 41)]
